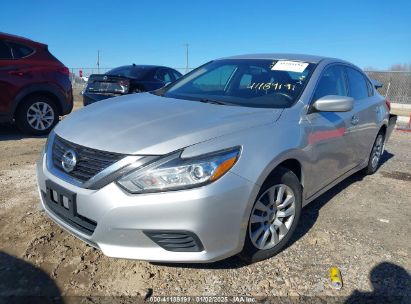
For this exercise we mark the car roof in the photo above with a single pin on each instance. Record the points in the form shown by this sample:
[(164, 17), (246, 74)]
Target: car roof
[(284, 56), (19, 39), (142, 66)]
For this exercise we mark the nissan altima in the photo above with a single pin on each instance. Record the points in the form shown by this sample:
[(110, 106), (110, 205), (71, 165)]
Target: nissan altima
[(216, 164)]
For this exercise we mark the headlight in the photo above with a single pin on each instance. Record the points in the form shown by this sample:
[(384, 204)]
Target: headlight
[(174, 172)]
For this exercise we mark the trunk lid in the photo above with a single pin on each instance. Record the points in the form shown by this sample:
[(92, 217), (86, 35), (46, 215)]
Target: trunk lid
[(107, 84)]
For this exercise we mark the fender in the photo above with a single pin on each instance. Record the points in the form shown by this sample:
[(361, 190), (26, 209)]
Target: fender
[(43, 87)]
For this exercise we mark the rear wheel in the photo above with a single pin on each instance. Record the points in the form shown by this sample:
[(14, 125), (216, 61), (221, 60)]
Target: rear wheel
[(37, 115), (375, 155), (274, 216)]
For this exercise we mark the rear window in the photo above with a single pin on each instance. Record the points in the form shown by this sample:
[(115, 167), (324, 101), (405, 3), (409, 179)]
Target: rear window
[(128, 71), (19, 50), (5, 51)]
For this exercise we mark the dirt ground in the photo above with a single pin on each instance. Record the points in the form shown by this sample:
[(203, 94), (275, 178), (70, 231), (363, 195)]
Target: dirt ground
[(361, 226)]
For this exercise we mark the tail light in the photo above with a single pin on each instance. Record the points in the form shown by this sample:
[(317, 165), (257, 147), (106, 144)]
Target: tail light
[(388, 103), (124, 86), (64, 70)]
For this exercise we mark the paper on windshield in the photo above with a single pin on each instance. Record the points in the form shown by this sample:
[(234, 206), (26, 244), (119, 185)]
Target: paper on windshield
[(289, 66)]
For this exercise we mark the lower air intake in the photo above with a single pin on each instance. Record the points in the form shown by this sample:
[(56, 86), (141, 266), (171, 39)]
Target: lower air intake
[(183, 241)]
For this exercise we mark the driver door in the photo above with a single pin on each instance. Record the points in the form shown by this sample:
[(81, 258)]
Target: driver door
[(329, 138)]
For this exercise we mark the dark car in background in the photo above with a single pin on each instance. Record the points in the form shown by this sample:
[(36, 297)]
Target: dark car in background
[(34, 86), (127, 79)]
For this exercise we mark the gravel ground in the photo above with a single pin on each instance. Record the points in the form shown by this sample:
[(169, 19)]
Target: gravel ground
[(361, 225)]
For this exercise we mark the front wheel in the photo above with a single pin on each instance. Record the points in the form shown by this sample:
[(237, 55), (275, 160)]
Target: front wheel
[(375, 155), (274, 216)]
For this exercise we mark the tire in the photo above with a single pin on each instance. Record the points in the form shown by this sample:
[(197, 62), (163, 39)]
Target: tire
[(254, 249), (375, 154), (37, 115)]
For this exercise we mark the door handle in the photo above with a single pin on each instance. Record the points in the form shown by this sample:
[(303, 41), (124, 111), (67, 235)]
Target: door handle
[(355, 119)]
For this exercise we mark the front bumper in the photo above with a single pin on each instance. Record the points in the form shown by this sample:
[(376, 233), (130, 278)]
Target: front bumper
[(391, 125), (68, 103), (217, 214)]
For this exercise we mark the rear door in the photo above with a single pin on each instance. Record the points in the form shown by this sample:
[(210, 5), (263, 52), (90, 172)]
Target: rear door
[(364, 120), (7, 66), (329, 136)]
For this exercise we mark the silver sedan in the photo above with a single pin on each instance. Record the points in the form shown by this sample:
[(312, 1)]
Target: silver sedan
[(218, 163)]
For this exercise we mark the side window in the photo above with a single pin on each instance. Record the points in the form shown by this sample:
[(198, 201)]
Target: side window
[(254, 74), (245, 81), (370, 88), (332, 82), (175, 74), (19, 50), (168, 76), (358, 86), (215, 80), (5, 51), (163, 75)]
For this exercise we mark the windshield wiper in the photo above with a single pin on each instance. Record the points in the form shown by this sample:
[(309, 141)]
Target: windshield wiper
[(212, 101)]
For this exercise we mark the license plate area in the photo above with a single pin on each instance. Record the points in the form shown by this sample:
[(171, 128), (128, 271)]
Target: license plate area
[(105, 87), (61, 200), (63, 203)]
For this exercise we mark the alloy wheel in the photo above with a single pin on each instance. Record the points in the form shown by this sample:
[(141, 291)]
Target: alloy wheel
[(40, 116), (377, 151), (272, 216)]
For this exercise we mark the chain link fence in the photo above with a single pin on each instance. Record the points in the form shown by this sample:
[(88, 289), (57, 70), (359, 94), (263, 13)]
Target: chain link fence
[(396, 84), (79, 75)]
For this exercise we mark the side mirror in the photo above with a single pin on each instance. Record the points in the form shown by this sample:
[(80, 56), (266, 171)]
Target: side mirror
[(334, 103), (376, 83)]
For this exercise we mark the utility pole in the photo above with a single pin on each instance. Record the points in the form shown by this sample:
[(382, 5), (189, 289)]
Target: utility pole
[(98, 61), (186, 46)]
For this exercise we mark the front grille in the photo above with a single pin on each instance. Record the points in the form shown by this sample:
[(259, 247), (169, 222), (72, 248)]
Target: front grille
[(89, 161), (175, 240)]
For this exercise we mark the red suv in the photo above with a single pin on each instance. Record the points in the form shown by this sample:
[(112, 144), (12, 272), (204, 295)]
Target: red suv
[(35, 88)]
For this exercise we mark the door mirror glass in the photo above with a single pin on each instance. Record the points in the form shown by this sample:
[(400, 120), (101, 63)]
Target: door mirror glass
[(334, 103)]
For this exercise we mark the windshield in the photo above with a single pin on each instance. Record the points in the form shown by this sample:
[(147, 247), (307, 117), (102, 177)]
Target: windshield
[(128, 71), (251, 83)]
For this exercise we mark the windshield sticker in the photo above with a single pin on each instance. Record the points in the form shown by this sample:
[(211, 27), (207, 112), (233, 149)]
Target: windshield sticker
[(289, 66), (271, 86)]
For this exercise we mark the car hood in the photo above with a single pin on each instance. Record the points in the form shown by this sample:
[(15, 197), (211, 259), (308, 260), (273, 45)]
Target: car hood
[(147, 124)]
